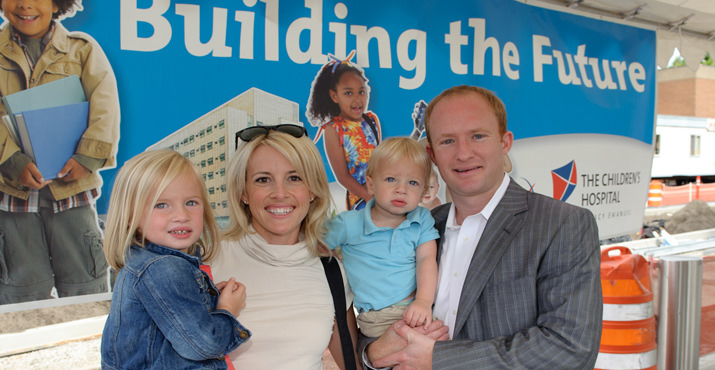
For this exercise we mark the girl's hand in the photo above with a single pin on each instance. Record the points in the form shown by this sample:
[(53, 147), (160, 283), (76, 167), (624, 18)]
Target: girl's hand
[(418, 313), (232, 297)]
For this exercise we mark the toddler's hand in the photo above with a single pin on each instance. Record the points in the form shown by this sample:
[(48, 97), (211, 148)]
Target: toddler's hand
[(232, 297), (418, 313)]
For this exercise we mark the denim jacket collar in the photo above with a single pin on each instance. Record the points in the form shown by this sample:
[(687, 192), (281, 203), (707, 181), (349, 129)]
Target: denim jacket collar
[(142, 258)]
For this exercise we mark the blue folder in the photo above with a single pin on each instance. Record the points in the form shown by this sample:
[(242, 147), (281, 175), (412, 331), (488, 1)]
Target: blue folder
[(50, 135)]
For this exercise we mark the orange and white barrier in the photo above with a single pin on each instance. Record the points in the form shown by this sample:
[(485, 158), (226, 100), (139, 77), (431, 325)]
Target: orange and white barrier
[(655, 193), (680, 194), (628, 340)]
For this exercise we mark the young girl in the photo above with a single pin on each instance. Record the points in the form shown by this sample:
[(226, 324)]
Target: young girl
[(338, 104), (166, 313)]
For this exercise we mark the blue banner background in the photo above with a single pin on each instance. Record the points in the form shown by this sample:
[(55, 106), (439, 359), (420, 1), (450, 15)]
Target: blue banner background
[(161, 91)]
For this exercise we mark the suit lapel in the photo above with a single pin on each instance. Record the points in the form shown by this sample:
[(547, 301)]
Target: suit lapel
[(440, 214), (506, 220)]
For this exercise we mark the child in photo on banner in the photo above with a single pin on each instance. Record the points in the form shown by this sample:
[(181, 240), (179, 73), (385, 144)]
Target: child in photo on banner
[(389, 247), (431, 197), (166, 312), (50, 231), (338, 105)]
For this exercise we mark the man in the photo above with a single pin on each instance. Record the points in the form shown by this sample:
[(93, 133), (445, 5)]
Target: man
[(519, 280)]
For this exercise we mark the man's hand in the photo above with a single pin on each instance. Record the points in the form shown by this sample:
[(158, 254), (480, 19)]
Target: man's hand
[(417, 353), (392, 343), (31, 177), (72, 171)]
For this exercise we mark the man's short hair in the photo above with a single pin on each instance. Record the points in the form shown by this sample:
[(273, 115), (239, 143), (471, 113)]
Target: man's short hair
[(491, 99)]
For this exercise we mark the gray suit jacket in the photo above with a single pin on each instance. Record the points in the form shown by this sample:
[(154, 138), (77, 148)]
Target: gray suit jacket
[(532, 296)]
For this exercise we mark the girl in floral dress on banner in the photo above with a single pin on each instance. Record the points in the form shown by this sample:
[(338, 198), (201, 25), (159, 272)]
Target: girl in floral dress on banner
[(338, 105)]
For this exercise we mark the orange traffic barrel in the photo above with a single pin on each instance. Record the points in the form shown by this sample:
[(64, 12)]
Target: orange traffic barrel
[(655, 193), (629, 329)]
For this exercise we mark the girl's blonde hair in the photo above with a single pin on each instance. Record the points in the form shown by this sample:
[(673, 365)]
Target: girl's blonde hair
[(396, 150), (138, 186), (302, 154)]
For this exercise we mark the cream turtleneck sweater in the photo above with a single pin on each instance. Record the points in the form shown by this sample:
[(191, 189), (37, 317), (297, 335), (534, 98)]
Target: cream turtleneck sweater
[(289, 308)]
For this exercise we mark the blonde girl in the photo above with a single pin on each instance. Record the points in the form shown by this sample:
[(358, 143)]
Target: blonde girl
[(166, 312)]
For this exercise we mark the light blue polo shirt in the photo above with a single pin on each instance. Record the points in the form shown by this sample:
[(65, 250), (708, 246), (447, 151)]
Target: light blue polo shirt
[(380, 261)]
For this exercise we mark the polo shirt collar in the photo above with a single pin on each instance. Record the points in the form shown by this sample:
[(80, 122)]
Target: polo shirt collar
[(370, 226)]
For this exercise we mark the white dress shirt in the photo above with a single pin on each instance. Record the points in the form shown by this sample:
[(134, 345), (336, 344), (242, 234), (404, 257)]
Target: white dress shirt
[(458, 245)]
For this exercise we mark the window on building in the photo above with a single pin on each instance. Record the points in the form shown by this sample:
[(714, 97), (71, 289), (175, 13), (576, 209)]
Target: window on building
[(694, 145), (201, 133), (203, 164), (222, 172), (208, 130), (210, 145), (223, 188), (210, 161), (222, 157), (211, 189), (224, 203), (657, 144), (192, 152), (186, 154), (203, 148), (213, 205), (186, 141), (220, 123), (191, 138), (204, 176), (211, 175), (222, 140)]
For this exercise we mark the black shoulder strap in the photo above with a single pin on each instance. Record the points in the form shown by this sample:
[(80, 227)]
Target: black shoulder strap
[(335, 280), (373, 126)]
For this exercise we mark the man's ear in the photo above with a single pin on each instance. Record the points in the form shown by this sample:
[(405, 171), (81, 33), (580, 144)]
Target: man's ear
[(507, 140), (430, 152)]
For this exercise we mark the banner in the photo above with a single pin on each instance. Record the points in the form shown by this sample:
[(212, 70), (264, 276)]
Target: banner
[(579, 92)]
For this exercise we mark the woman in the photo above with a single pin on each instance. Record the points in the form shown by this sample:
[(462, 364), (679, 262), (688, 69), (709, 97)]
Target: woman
[(279, 201)]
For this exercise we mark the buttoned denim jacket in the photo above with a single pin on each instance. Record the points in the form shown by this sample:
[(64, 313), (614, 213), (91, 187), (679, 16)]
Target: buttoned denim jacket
[(163, 315)]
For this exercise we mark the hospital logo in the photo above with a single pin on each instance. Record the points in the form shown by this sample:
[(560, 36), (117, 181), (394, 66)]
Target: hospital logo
[(564, 179)]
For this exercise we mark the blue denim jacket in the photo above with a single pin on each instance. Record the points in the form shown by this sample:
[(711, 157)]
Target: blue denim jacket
[(164, 316)]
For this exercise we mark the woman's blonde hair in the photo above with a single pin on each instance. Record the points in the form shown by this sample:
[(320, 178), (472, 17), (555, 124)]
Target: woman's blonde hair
[(394, 151), (302, 154), (138, 186)]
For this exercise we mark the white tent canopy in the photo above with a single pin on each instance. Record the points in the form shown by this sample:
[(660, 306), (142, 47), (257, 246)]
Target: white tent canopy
[(688, 25)]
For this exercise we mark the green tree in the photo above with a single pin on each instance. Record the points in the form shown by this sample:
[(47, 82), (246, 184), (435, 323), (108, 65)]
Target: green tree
[(708, 61), (678, 62)]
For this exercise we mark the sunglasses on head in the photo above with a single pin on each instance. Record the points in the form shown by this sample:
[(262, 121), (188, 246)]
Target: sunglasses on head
[(250, 133)]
